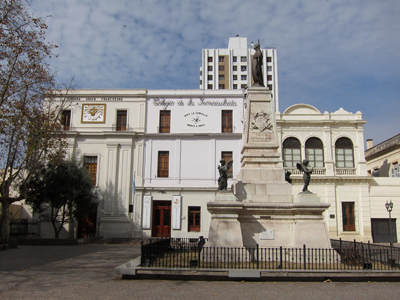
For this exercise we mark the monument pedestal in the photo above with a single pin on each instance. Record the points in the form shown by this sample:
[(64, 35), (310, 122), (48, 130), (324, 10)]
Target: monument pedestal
[(225, 230), (262, 210)]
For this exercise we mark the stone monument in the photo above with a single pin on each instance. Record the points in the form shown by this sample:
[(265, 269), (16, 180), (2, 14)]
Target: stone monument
[(261, 209)]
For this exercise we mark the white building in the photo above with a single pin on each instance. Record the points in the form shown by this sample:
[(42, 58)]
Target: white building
[(334, 145), (154, 154), (106, 128), (187, 134), (231, 68)]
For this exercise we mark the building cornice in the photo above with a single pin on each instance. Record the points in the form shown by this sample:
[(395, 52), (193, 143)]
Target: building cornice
[(179, 135), (383, 148)]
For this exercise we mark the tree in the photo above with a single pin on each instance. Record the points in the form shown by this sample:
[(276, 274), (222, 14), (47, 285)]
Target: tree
[(62, 192), (30, 131)]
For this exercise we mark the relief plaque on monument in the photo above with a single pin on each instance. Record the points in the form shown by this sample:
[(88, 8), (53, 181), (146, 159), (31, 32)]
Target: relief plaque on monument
[(261, 129)]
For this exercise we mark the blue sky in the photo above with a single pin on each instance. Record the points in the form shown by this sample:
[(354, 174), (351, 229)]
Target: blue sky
[(331, 53)]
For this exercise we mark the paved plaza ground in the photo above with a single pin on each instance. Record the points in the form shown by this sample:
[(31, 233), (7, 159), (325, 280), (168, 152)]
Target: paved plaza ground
[(87, 272)]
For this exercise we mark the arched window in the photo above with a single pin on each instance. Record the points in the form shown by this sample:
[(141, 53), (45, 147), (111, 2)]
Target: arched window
[(344, 153), (291, 152), (315, 152)]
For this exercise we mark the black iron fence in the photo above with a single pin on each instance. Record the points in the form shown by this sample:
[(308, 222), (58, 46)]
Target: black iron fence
[(367, 252), (186, 253), (23, 227)]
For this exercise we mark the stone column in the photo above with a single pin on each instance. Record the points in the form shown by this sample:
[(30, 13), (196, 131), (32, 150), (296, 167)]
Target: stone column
[(261, 178)]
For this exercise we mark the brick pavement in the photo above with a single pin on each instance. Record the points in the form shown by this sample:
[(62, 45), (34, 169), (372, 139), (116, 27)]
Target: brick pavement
[(87, 272)]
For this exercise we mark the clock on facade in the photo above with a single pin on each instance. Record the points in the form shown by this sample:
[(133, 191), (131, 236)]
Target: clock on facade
[(93, 113)]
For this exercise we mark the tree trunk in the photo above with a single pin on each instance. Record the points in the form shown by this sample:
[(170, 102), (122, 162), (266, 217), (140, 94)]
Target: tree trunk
[(5, 222), (56, 230)]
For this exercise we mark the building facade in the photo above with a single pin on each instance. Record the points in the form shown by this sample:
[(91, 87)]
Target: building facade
[(230, 68), (106, 129), (383, 164), (333, 143), (383, 159), (188, 132), (153, 155)]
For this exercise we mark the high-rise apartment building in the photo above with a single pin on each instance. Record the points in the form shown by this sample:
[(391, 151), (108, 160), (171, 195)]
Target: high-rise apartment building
[(231, 68)]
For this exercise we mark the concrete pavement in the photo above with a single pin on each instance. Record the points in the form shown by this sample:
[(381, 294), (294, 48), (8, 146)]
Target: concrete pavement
[(87, 272)]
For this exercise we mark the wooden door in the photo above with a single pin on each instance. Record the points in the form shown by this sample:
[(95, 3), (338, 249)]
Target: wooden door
[(348, 216), (161, 219), (87, 225)]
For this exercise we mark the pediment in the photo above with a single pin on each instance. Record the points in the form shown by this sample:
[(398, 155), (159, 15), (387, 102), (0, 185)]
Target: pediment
[(341, 111), (302, 109)]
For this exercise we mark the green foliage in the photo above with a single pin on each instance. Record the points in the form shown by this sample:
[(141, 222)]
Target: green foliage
[(61, 191)]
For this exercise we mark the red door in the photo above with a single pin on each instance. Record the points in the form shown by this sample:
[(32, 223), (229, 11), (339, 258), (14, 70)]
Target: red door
[(87, 225), (161, 219)]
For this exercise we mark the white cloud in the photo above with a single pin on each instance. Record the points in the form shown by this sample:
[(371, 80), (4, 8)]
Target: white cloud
[(331, 54)]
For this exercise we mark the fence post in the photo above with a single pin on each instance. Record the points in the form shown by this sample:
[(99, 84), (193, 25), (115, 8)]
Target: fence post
[(369, 254), (141, 253), (304, 257), (280, 257), (340, 245), (258, 256), (362, 256)]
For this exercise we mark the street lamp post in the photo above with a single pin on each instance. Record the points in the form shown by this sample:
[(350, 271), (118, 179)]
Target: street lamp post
[(389, 208)]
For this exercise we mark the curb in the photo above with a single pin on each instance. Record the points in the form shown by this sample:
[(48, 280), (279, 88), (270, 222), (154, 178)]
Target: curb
[(133, 270)]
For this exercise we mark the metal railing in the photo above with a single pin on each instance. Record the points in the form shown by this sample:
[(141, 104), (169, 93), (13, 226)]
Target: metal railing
[(185, 254), (367, 252)]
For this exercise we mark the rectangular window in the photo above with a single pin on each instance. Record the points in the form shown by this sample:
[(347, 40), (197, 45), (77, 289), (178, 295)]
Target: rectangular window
[(269, 77), (221, 86), (234, 68), (91, 165), (269, 68), (348, 216), (235, 86), (221, 59), (243, 77), (210, 59), (121, 120), (234, 59), (243, 86), (210, 68), (228, 156), (194, 217), (210, 77), (221, 68), (221, 77), (66, 119), (315, 156), (165, 121), (243, 58), (227, 121), (163, 164), (210, 86), (291, 156), (243, 68), (234, 77), (395, 170), (270, 87), (344, 158), (269, 58)]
